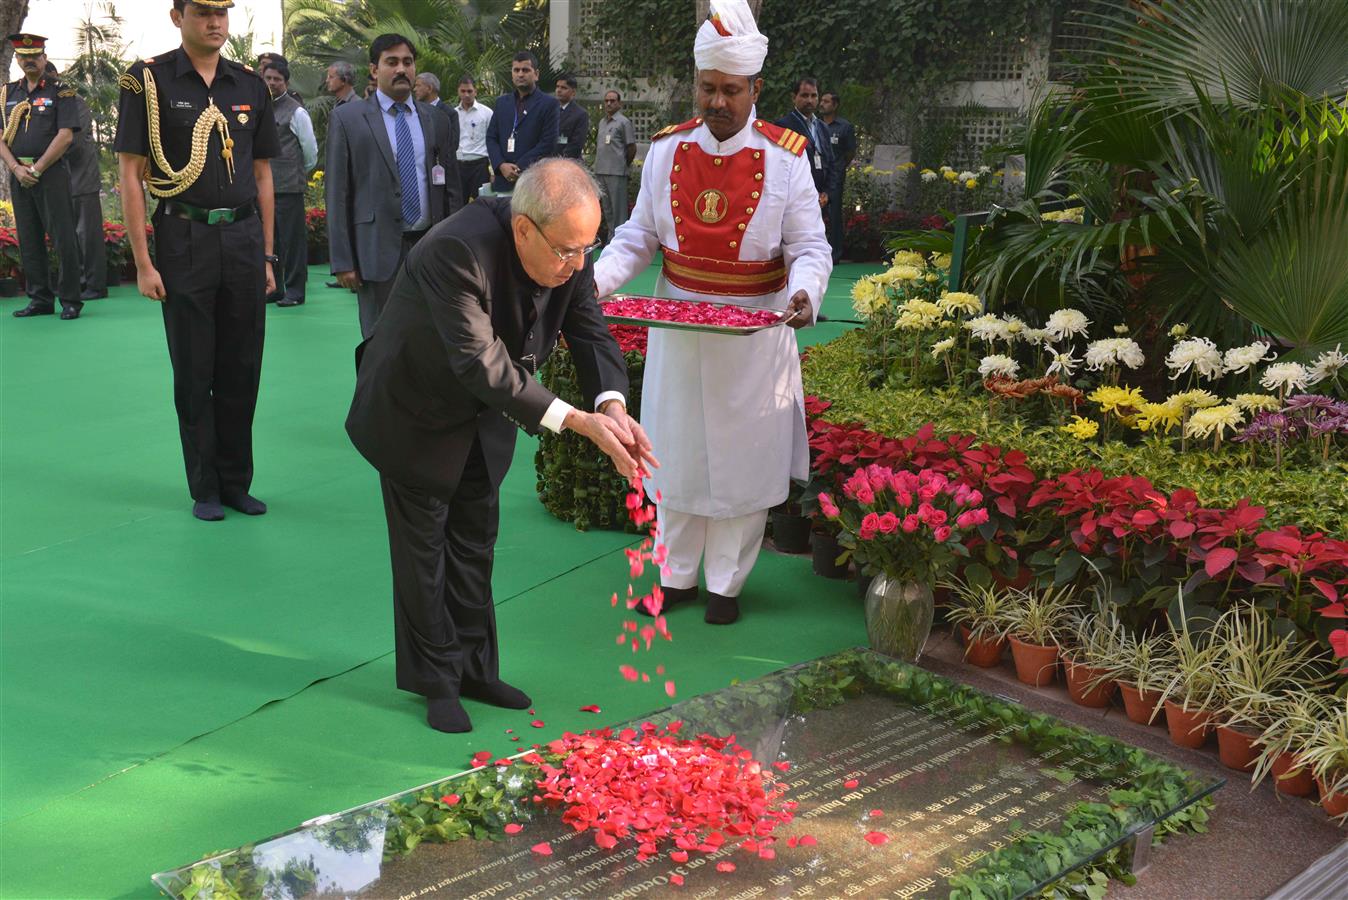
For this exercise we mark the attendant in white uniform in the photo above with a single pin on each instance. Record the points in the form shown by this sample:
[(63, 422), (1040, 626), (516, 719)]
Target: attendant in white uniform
[(730, 201)]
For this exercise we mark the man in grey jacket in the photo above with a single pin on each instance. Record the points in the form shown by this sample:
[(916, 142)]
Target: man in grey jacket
[(289, 173), (391, 174)]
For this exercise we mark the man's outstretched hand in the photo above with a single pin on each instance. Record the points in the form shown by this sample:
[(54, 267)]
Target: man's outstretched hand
[(616, 433)]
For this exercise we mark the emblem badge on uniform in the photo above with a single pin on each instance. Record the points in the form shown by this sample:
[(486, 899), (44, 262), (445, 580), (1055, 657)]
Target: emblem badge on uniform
[(711, 206), (243, 118)]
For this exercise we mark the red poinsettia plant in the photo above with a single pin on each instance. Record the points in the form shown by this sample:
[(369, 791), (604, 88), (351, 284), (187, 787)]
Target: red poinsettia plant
[(912, 526), (9, 252)]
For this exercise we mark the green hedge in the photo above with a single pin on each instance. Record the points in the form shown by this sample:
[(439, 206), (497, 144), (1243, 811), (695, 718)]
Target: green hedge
[(1311, 497), (577, 482)]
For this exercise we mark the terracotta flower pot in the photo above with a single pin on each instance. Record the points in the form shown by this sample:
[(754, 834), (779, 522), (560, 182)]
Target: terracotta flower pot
[(1083, 686), (1188, 728), (1236, 748), (1036, 664), (1140, 705), (1290, 777), (984, 652), (1334, 804)]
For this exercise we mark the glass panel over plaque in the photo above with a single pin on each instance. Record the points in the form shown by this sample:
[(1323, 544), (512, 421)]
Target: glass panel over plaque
[(907, 784)]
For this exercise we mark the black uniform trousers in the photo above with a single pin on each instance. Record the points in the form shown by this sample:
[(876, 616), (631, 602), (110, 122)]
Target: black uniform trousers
[(93, 250), (41, 210), (292, 245), (473, 173), (444, 624), (835, 223), (214, 318)]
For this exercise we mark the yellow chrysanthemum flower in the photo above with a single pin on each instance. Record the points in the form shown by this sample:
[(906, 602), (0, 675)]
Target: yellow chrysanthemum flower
[(941, 261), (1119, 400), (1256, 402), (1213, 419), (931, 278), (868, 296), (971, 183), (942, 346), (952, 302), (1081, 429), (908, 258), (1195, 399), (951, 176), (1159, 416), (900, 273)]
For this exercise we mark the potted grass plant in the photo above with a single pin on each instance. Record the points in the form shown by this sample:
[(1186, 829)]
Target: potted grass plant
[(1137, 662), (1325, 751), (1259, 666), (979, 612), (1191, 676), (1294, 720), (1035, 619), (1087, 663)]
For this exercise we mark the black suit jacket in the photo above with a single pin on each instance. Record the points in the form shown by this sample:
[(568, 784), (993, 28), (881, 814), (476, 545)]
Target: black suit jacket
[(820, 154), (453, 356)]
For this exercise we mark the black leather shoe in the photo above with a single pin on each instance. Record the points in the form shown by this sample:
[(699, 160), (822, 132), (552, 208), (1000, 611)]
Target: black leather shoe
[(93, 295), (208, 510), (71, 312), (672, 597), (332, 284), (244, 503), (496, 693), (289, 302), (34, 309), (721, 610)]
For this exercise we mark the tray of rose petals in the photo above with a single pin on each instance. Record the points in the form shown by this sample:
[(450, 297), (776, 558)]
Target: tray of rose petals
[(689, 315)]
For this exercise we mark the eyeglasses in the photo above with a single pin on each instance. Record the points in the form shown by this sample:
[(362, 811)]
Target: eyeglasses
[(564, 255)]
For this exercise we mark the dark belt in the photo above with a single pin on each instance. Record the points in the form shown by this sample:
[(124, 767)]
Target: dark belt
[(181, 210)]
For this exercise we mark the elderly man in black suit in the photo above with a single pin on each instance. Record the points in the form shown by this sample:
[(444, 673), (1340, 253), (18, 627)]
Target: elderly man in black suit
[(441, 387), (392, 172)]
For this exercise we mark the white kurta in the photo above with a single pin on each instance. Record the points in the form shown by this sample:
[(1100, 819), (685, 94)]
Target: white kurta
[(726, 413)]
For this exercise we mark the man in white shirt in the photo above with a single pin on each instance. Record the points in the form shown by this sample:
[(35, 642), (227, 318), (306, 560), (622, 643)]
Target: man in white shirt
[(729, 200), (473, 121), (289, 173)]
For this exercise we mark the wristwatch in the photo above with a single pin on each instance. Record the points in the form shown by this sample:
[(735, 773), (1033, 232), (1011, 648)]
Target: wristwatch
[(272, 258)]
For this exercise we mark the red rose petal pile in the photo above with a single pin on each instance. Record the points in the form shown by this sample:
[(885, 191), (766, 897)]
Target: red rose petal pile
[(688, 312), (630, 338), (655, 787)]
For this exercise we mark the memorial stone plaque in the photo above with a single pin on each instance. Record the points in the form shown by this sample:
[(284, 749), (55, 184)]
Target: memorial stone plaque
[(908, 785)]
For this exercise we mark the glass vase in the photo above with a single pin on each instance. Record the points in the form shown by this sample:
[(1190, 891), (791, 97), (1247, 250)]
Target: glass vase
[(898, 617)]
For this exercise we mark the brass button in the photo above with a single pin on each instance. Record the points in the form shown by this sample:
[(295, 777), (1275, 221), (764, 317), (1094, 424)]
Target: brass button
[(678, 220), (758, 154), (741, 226), (674, 203), (684, 147), (733, 244), (682, 239), (749, 210), (758, 176), (673, 187), (676, 167), (716, 161), (754, 195)]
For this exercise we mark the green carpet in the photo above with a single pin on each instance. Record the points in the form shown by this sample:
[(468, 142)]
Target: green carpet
[(170, 687)]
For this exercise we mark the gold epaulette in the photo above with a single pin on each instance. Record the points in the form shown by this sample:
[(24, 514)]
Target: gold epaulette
[(68, 92), (675, 129), (791, 141)]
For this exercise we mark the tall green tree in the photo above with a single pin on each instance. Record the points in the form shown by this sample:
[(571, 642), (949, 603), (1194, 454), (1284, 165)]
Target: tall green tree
[(101, 57)]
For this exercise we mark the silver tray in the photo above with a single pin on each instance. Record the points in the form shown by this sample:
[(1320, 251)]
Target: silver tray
[(781, 319)]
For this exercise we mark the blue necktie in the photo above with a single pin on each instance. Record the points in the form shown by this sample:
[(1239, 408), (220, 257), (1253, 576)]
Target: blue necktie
[(407, 166)]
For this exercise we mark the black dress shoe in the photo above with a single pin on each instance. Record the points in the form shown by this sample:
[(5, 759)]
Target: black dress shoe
[(93, 295), (244, 503), (448, 715), (496, 693), (672, 597), (332, 284), (34, 309), (71, 312), (721, 610), (289, 302), (208, 510)]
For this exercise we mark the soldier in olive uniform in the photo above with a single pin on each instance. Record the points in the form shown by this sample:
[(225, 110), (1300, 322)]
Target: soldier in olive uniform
[(86, 182), (40, 121), (199, 131)]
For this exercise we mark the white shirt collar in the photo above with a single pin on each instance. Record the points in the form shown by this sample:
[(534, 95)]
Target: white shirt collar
[(386, 102), (734, 144)]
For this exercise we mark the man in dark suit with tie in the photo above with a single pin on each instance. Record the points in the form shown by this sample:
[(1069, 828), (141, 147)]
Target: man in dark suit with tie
[(392, 172), (441, 387), (524, 124), (818, 148)]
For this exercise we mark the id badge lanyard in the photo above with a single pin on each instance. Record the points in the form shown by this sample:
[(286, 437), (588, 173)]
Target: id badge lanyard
[(514, 126)]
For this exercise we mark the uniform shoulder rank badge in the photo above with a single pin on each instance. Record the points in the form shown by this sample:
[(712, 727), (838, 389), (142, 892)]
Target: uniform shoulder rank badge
[(66, 92)]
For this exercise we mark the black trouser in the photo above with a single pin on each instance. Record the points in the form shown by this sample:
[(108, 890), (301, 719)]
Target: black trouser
[(292, 245), (41, 210), (836, 223), (93, 252), (444, 625), (214, 318), (472, 175), (372, 295)]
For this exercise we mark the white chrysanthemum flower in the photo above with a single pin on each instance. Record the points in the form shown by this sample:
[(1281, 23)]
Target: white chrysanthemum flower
[(997, 364), (1112, 352), (967, 175), (1240, 359), (1199, 354), (1015, 326), (945, 169), (1065, 323), (988, 328), (1213, 419), (1034, 336), (942, 346), (1286, 376), (1328, 364), (984, 170), (1063, 363), (1257, 402), (929, 176), (1120, 329)]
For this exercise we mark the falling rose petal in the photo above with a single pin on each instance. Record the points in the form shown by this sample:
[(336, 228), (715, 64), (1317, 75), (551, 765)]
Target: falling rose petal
[(543, 849), (450, 799), (850, 783), (628, 672), (622, 639), (514, 828), (725, 866), (645, 678), (876, 838), (877, 813), (531, 712), (515, 739), (676, 878), (679, 856), (536, 723), (806, 840), (591, 708), (510, 731), (669, 688), (660, 669)]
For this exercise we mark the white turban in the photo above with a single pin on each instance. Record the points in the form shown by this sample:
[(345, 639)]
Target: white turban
[(729, 41)]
